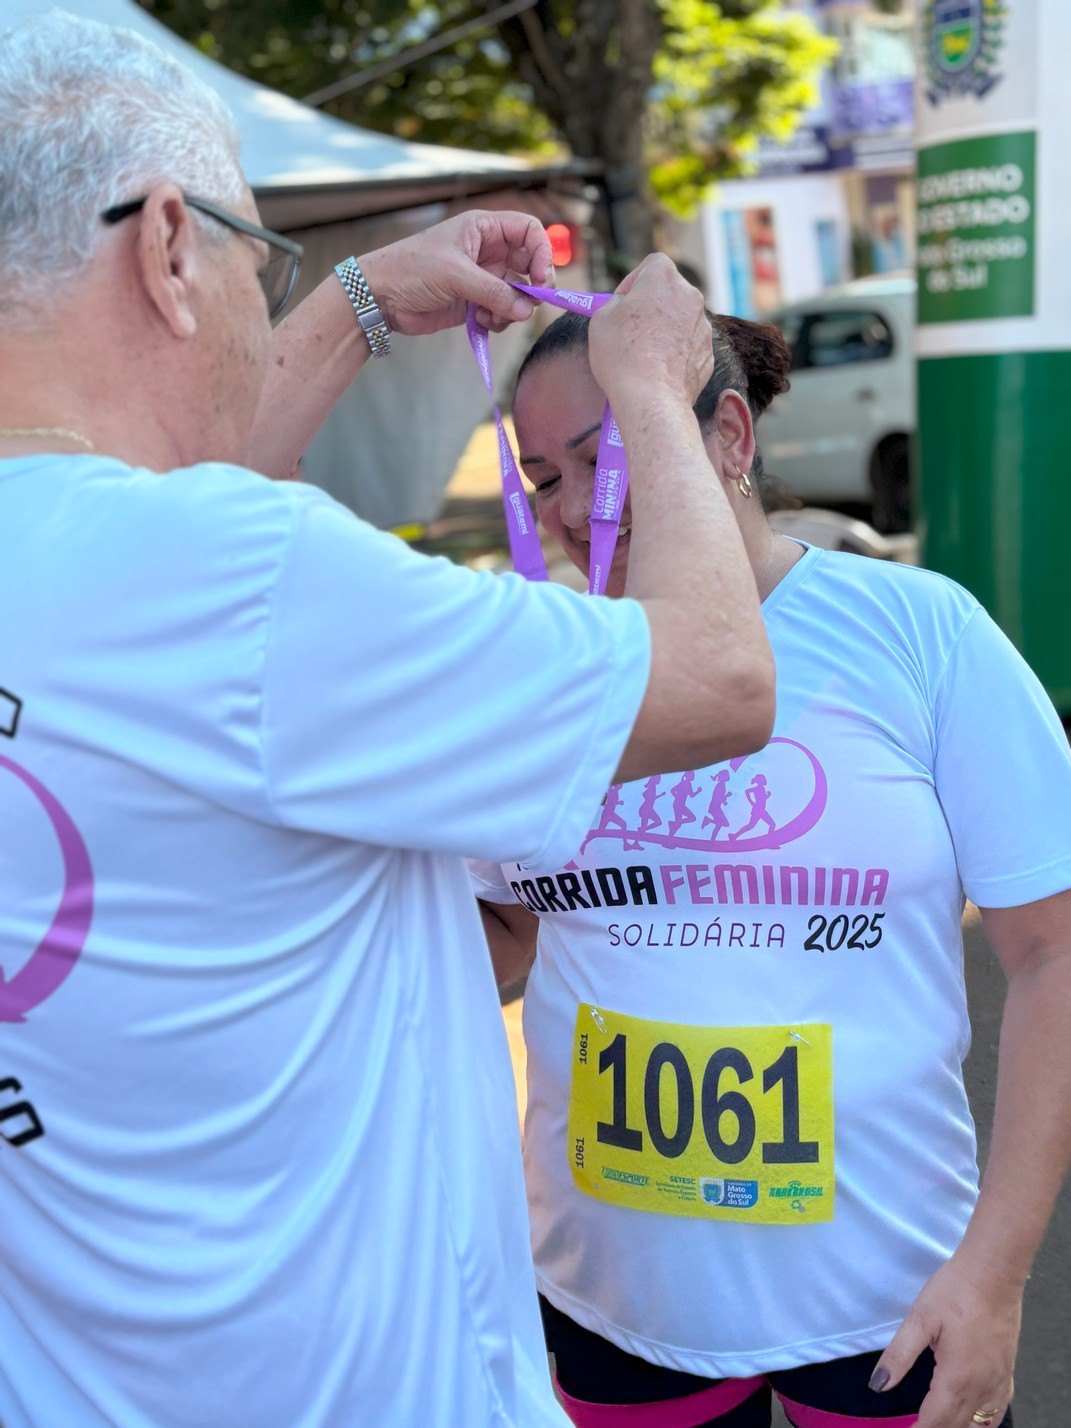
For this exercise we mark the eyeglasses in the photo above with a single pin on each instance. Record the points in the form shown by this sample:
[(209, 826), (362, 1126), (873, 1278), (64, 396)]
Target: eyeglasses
[(280, 273)]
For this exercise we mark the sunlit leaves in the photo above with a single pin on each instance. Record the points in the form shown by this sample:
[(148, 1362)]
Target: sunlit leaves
[(726, 76)]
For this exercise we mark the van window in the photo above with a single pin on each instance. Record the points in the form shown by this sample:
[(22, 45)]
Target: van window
[(789, 323), (831, 339)]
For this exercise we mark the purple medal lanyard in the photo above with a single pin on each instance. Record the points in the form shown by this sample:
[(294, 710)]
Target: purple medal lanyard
[(611, 466)]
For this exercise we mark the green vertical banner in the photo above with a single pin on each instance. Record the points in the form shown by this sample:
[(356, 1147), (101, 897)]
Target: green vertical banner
[(976, 206), (993, 493)]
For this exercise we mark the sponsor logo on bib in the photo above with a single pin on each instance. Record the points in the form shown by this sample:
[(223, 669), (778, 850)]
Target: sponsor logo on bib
[(734, 1194)]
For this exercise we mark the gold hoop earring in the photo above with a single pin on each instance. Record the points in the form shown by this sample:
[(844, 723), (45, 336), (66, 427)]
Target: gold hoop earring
[(743, 485)]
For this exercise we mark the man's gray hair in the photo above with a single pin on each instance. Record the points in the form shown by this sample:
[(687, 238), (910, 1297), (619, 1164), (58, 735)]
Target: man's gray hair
[(91, 116)]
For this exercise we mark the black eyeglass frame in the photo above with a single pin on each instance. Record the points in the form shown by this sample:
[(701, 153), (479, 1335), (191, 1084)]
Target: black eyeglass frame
[(286, 246)]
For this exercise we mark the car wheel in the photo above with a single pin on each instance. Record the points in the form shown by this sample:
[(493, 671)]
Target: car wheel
[(890, 478)]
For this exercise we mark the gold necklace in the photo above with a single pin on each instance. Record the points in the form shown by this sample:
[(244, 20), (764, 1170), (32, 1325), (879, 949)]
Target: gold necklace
[(63, 431)]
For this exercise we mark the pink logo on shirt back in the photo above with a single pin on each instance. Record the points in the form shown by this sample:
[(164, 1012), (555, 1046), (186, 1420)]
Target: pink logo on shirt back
[(53, 959), (780, 797)]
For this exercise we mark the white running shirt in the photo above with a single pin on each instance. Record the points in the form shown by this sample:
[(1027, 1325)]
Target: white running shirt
[(257, 1164), (816, 884)]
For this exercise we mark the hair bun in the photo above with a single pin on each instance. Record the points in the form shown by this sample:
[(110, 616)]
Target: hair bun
[(764, 355)]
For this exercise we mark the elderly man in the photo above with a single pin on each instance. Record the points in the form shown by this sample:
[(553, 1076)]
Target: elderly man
[(258, 1163)]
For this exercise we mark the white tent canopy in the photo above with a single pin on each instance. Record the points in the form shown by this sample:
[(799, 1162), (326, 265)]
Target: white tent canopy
[(392, 442), (304, 166)]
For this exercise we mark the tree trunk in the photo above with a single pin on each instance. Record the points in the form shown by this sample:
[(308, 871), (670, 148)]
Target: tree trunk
[(591, 77)]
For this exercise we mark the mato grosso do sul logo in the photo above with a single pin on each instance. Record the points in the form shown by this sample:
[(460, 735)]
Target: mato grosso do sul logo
[(962, 42)]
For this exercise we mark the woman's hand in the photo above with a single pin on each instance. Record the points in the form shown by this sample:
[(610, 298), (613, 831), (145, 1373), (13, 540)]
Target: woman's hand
[(425, 283), (971, 1322), (652, 336)]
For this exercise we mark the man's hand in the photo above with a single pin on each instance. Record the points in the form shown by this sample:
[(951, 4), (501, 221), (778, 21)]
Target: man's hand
[(652, 335), (425, 283), (422, 284), (971, 1322)]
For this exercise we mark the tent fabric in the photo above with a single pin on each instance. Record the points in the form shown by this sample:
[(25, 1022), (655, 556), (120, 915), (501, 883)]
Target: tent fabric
[(304, 166)]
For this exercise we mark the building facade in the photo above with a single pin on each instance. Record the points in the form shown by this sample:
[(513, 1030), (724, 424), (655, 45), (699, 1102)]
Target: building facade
[(838, 200)]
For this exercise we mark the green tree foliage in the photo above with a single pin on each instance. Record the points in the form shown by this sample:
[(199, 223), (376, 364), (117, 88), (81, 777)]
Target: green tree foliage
[(463, 96), (726, 76), (665, 96)]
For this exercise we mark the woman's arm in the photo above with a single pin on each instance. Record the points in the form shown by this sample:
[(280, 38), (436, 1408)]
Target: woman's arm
[(1030, 1152), (969, 1311), (510, 930)]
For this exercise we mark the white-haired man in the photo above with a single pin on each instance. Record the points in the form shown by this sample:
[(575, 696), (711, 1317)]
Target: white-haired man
[(257, 1167)]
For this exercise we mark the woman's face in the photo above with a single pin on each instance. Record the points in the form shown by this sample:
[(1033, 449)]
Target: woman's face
[(557, 413)]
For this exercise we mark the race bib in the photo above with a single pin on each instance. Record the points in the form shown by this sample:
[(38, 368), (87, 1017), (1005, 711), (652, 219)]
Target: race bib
[(716, 1122)]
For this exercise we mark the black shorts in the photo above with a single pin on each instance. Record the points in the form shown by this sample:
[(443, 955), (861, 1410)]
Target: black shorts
[(595, 1372)]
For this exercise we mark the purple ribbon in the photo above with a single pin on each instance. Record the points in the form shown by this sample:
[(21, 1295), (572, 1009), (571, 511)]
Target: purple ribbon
[(611, 465)]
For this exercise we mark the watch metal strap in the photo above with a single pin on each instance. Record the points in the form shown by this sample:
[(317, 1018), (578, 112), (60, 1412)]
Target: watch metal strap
[(365, 307)]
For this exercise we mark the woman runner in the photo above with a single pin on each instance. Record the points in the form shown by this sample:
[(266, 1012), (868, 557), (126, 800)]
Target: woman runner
[(750, 1159)]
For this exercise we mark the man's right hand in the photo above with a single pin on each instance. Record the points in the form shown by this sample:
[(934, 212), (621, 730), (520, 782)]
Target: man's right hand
[(653, 334)]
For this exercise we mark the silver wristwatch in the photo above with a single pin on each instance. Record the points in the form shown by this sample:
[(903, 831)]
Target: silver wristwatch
[(365, 307)]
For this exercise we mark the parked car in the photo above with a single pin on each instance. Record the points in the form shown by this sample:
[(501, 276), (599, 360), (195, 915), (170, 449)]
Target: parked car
[(842, 435)]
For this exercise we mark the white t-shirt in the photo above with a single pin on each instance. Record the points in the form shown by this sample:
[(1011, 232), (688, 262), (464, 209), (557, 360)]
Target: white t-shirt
[(816, 884), (245, 742)]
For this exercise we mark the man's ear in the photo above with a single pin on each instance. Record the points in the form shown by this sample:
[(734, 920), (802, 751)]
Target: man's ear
[(167, 254)]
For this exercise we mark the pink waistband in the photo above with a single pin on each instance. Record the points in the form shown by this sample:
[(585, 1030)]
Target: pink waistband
[(687, 1412), (805, 1417)]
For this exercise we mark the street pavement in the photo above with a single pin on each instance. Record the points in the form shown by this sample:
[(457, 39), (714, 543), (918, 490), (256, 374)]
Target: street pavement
[(1043, 1378)]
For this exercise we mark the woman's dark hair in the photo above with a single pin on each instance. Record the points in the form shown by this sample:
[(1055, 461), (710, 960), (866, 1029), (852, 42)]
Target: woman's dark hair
[(751, 358)]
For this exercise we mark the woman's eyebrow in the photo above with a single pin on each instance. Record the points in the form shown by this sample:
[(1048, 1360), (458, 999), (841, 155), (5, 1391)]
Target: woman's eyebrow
[(570, 445), (575, 441)]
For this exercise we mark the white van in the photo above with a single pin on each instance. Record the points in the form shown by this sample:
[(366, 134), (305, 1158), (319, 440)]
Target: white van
[(843, 433)]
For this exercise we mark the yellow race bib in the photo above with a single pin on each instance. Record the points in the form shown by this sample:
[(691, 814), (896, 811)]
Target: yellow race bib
[(716, 1122)]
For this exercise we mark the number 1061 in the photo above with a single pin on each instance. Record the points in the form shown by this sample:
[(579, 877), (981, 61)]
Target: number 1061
[(719, 1110)]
